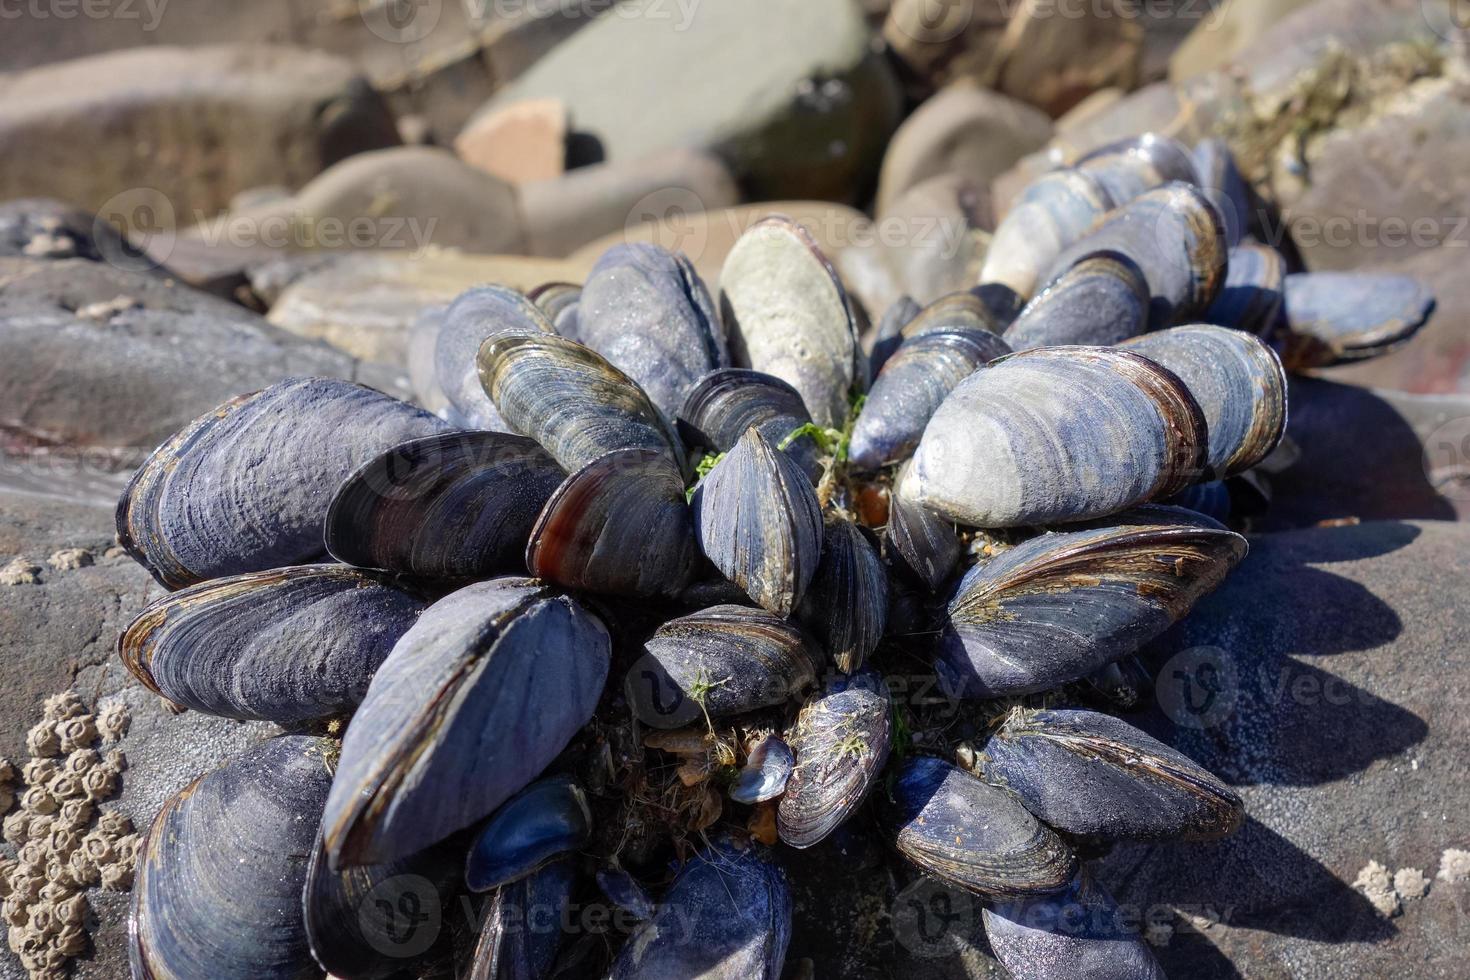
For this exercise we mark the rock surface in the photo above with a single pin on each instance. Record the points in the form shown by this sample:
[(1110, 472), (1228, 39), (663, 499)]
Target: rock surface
[(188, 127), (788, 91)]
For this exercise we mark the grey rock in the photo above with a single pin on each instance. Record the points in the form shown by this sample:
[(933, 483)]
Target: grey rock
[(44, 228)]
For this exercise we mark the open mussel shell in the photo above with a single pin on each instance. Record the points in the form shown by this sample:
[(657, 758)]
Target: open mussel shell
[(572, 401), (973, 835), (289, 645), (1221, 180), (473, 703), (919, 539), (542, 822), (888, 334), (841, 740), (1251, 297), (1059, 606), (1098, 777), (846, 604), (371, 922), (766, 772), (1239, 385), (789, 315), (559, 301), (1078, 933), (1059, 434), (1175, 235), (646, 310), (724, 403), (1100, 300), (620, 526), (758, 521), (245, 487), (522, 932), (727, 916), (1133, 166), (221, 871), (473, 318), (456, 505), (721, 661), (941, 347), (1051, 214), (1337, 317)]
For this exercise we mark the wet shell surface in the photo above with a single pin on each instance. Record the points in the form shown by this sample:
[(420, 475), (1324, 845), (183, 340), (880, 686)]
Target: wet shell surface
[(1336, 317), (723, 404), (1101, 300), (766, 772), (221, 872), (289, 645), (646, 310), (758, 521), (456, 505), (245, 487), (522, 932), (921, 541), (1239, 385), (1251, 297), (841, 741), (788, 314), (846, 604), (941, 347), (569, 399), (721, 661), (1096, 776), (473, 318), (727, 916), (935, 820), (472, 704), (1059, 434), (1059, 606), (619, 526), (539, 824)]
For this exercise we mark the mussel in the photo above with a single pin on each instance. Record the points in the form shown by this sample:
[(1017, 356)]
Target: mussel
[(221, 871), (572, 401), (788, 314), (1059, 606), (448, 506), (723, 404), (620, 525), (1251, 297), (973, 835), (1096, 776), (472, 704), (841, 740), (725, 660), (1337, 317), (1239, 385), (1221, 180), (289, 645), (1100, 300), (540, 824), (727, 916), (766, 772), (1052, 213), (1175, 235), (646, 310), (917, 538), (941, 347), (1130, 167), (846, 604), (560, 302), (1059, 434), (758, 521), (888, 334), (473, 318), (522, 932), (245, 487), (1078, 933)]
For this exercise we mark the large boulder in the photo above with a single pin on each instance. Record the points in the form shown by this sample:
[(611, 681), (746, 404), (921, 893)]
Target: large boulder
[(790, 92), (192, 127)]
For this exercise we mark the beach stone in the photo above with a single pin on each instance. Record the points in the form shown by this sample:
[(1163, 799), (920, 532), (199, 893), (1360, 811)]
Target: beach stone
[(961, 130), (1038, 51), (789, 92), (188, 127), (93, 357), (522, 142), (1326, 680), (45, 228), (935, 235), (1225, 32)]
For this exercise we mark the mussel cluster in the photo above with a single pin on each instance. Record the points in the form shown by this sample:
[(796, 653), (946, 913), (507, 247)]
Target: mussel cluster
[(750, 523)]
